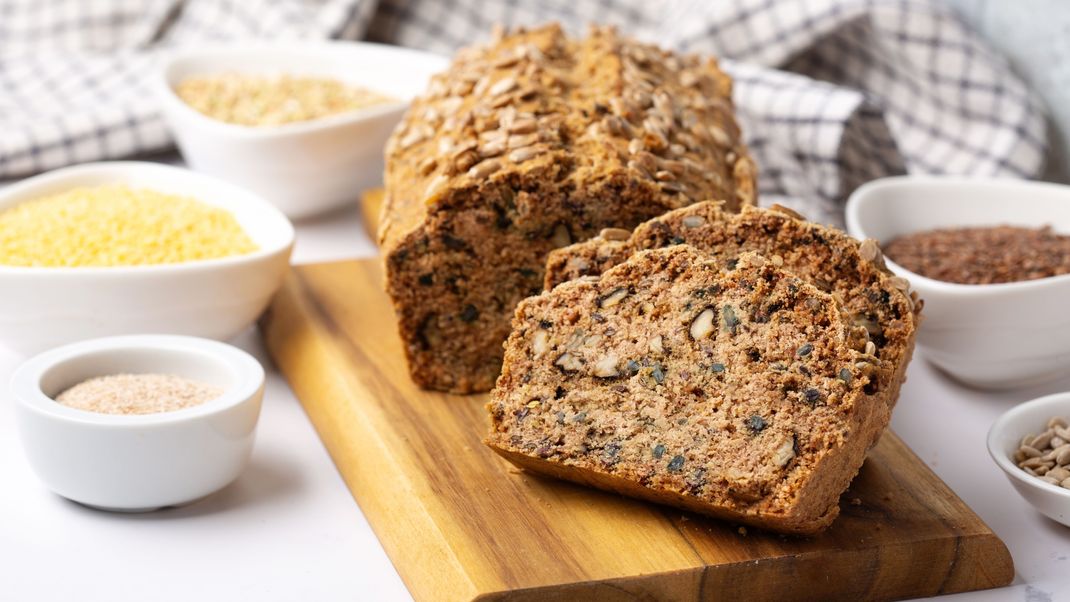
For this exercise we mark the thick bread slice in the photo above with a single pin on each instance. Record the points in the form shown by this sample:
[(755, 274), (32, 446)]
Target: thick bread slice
[(739, 394), (852, 271)]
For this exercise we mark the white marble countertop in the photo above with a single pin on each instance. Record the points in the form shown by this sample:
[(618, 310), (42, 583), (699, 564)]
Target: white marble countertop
[(288, 528)]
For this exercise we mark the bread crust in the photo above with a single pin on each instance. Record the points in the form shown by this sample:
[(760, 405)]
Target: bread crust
[(789, 524)]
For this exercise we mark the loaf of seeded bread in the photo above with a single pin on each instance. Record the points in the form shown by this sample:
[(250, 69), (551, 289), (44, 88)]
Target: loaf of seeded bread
[(742, 394), (853, 272), (527, 144)]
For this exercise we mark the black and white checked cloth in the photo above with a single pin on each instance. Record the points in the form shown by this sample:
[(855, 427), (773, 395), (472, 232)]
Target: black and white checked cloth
[(831, 93)]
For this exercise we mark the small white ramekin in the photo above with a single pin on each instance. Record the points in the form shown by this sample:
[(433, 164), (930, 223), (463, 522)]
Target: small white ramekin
[(41, 308), (1004, 438), (994, 336), (137, 463), (307, 167)]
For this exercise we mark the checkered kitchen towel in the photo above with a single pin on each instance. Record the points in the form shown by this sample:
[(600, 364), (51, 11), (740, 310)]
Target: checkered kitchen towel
[(831, 93)]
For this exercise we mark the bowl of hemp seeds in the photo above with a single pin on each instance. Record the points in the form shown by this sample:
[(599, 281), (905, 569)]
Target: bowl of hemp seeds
[(303, 124), (1031, 445), (990, 258), (105, 249), (137, 423)]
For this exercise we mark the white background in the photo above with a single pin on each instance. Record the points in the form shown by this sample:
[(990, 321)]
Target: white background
[(288, 528)]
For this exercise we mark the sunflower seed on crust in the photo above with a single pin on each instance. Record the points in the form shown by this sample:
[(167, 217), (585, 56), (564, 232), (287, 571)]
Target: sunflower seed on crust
[(484, 168), (523, 154), (502, 86)]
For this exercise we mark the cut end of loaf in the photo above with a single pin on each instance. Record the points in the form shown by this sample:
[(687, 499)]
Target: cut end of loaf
[(738, 394), (456, 281)]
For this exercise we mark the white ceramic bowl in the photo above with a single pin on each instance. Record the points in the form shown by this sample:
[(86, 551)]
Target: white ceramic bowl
[(1006, 435), (218, 298), (306, 167), (996, 336), (138, 462)]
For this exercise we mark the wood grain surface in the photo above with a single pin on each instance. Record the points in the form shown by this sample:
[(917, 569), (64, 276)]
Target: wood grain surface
[(371, 203), (460, 523)]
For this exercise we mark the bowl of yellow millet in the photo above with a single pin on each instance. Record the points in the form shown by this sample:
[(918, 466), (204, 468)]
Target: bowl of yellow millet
[(116, 248)]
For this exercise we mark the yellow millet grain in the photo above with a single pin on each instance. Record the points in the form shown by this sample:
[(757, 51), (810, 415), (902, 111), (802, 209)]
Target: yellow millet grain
[(115, 225), (266, 101)]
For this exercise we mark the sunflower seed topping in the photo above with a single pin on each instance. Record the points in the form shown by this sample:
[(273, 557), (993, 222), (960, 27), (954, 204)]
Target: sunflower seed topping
[(522, 140), (427, 166), (523, 154), (484, 168), (493, 148), (502, 86)]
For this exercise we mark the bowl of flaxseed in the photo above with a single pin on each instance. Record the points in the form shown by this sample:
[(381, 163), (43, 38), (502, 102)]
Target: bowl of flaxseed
[(138, 423), (303, 124), (991, 260)]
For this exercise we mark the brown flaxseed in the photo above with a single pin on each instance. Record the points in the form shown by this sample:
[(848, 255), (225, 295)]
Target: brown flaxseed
[(983, 255), (739, 405)]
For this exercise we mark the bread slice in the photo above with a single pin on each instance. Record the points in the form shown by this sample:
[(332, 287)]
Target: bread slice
[(531, 143), (852, 271), (738, 394)]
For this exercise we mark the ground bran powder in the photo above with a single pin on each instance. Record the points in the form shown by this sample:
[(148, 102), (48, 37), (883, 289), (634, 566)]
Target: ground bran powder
[(137, 394)]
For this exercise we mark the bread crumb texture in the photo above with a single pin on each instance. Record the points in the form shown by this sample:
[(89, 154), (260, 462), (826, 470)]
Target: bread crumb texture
[(741, 394), (853, 272), (527, 144)]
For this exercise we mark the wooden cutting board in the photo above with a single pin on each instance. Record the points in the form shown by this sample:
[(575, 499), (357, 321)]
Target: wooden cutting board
[(460, 523)]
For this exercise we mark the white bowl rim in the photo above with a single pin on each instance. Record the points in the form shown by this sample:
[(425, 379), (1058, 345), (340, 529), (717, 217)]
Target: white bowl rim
[(1004, 461), (166, 91), (868, 189), (75, 172), (25, 382)]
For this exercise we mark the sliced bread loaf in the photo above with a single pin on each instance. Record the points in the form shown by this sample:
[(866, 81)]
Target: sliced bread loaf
[(530, 143), (739, 394), (853, 272)]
